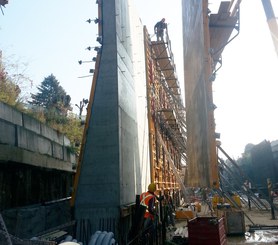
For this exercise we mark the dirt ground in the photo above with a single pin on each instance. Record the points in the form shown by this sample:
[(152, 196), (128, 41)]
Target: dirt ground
[(262, 220), (265, 235)]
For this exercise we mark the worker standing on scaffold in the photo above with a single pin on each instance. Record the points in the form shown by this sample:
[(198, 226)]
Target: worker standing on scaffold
[(148, 199), (159, 29)]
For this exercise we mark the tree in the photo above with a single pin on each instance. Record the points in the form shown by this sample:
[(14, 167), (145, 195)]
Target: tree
[(52, 97), (9, 91), (14, 84), (81, 105), (73, 129)]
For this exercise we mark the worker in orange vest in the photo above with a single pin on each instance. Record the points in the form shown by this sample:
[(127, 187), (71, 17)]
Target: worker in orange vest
[(148, 199)]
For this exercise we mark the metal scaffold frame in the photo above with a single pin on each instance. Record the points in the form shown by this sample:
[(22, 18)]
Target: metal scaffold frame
[(166, 116)]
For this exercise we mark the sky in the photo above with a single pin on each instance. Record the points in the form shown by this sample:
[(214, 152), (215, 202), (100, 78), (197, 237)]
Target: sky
[(50, 37)]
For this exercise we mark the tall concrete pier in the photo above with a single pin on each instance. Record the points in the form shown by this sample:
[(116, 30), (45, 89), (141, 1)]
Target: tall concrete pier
[(116, 149)]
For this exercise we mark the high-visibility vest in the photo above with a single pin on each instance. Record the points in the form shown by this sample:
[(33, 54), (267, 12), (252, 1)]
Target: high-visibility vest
[(144, 200)]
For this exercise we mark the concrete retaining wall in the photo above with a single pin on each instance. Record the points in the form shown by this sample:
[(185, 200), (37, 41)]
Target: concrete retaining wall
[(9, 114), (31, 124), (20, 130), (36, 166), (7, 133), (52, 134), (23, 184)]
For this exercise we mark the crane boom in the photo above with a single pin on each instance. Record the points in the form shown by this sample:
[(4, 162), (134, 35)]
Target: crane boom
[(272, 22), (3, 2)]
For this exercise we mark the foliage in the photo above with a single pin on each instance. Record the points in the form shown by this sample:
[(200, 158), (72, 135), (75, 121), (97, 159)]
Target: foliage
[(51, 102), (9, 91), (69, 125), (13, 83), (53, 98), (51, 105), (37, 114), (72, 128)]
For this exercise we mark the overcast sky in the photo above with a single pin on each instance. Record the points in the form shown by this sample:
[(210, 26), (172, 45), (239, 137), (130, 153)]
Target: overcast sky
[(51, 36)]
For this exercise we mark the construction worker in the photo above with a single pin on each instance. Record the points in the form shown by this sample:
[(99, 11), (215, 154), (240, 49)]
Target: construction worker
[(159, 29), (148, 199), (169, 209)]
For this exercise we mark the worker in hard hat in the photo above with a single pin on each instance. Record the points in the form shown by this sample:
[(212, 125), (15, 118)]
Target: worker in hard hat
[(148, 199), (159, 29)]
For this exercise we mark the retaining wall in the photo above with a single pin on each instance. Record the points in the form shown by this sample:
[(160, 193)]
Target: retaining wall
[(21, 130)]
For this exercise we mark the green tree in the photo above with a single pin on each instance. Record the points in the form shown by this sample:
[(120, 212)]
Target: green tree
[(9, 91), (52, 97), (51, 102)]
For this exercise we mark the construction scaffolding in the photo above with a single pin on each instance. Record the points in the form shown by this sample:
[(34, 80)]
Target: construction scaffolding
[(166, 116)]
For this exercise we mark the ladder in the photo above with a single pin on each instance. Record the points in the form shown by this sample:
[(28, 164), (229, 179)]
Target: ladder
[(163, 55)]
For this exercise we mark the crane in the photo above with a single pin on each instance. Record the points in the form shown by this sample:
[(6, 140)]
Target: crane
[(272, 22), (3, 3)]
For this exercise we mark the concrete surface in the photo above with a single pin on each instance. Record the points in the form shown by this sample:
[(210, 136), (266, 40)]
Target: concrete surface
[(198, 158), (259, 237), (111, 171), (36, 164), (24, 132)]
